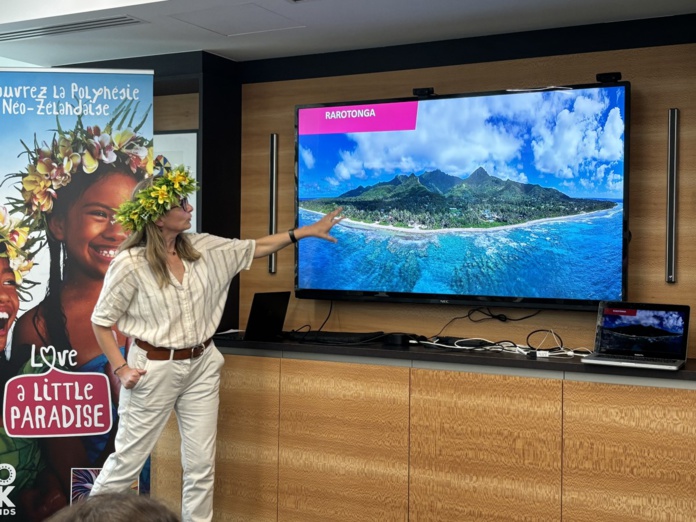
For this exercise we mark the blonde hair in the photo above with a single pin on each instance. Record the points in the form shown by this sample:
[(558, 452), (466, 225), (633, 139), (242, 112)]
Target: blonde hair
[(151, 238)]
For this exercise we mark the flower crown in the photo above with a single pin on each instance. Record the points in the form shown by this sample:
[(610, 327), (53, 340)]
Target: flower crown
[(19, 248), (79, 151), (169, 186)]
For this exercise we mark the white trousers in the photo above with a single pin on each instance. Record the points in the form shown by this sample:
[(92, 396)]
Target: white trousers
[(190, 387)]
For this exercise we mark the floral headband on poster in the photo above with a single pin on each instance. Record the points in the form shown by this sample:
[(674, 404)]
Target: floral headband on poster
[(169, 186), (79, 152), (19, 248)]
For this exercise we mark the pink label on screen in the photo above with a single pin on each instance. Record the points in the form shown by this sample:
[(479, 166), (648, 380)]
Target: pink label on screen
[(376, 117)]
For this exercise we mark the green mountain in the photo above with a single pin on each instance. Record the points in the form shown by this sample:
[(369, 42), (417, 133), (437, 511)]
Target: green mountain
[(436, 200)]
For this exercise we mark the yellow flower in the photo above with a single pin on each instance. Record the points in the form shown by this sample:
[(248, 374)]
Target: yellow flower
[(45, 167), (23, 269), (89, 163), (19, 236), (161, 193), (178, 179), (35, 182), (43, 201), (71, 162), (122, 138), (18, 263), (149, 204)]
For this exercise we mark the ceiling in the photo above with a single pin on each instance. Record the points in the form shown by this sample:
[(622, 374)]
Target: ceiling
[(58, 32)]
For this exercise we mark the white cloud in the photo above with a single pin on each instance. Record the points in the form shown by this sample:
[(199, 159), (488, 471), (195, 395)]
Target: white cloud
[(307, 157), (350, 166), (561, 131), (611, 143)]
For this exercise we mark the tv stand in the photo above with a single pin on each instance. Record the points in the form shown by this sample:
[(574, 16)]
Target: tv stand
[(336, 338)]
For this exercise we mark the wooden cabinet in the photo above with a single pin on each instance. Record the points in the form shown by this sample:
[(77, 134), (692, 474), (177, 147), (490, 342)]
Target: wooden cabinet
[(306, 440), (628, 453), (343, 446), (484, 447)]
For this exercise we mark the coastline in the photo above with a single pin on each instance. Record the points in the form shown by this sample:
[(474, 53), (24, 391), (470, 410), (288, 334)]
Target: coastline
[(414, 230)]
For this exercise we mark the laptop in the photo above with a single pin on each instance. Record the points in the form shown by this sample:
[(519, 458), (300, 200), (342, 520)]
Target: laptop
[(641, 335), (266, 319), (267, 316)]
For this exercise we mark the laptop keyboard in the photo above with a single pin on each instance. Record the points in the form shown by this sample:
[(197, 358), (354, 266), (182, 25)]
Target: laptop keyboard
[(638, 359)]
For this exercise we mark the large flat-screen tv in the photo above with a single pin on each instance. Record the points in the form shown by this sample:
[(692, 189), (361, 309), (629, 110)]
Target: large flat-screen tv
[(509, 198)]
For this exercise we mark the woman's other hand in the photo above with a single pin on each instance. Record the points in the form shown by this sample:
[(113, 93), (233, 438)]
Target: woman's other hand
[(130, 376)]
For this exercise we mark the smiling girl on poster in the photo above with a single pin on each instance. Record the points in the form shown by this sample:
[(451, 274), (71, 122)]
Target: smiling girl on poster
[(69, 191)]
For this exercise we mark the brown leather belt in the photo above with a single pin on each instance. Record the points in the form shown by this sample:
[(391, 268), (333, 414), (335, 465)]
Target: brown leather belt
[(157, 353)]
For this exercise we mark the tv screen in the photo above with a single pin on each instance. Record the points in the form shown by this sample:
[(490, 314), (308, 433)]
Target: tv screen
[(512, 198)]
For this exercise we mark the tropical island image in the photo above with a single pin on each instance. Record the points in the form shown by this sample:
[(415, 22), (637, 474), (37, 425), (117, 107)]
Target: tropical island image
[(515, 195), (435, 201)]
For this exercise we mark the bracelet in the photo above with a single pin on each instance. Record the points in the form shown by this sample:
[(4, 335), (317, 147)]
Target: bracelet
[(117, 369), (291, 233)]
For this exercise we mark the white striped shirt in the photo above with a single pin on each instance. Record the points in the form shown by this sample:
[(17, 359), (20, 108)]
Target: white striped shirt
[(181, 314)]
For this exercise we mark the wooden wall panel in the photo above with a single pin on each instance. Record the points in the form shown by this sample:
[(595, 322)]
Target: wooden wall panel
[(628, 453), (343, 452), (484, 447), (176, 112), (662, 77)]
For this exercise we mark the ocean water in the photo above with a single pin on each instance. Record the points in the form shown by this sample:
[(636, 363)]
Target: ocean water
[(573, 258)]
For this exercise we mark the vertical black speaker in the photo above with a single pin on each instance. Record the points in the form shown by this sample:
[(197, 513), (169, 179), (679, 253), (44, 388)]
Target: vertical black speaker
[(273, 200), (672, 149)]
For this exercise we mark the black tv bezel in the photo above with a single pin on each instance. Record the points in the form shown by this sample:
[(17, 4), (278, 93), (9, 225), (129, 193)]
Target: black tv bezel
[(550, 303)]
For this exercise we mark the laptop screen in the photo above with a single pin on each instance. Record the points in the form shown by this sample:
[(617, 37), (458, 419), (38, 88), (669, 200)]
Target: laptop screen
[(642, 329)]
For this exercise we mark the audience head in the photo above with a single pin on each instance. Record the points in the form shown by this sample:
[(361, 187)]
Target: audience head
[(116, 507)]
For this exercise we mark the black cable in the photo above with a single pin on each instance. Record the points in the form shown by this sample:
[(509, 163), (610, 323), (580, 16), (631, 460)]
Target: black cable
[(327, 316), (309, 326), (488, 316)]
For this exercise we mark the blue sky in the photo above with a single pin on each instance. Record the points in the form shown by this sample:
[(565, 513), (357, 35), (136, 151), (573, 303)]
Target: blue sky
[(571, 140), (50, 85)]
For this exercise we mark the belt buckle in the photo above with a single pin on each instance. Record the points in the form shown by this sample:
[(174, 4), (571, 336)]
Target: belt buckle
[(194, 355)]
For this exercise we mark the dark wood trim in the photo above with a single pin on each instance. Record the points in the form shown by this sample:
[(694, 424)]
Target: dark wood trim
[(651, 32)]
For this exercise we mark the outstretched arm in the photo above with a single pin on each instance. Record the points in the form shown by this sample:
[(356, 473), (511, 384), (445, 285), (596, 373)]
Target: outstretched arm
[(269, 244)]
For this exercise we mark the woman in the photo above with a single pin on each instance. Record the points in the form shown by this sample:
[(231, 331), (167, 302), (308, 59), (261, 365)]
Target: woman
[(167, 290), (68, 192)]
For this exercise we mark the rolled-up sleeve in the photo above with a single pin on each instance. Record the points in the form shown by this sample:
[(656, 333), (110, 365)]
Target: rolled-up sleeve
[(116, 294)]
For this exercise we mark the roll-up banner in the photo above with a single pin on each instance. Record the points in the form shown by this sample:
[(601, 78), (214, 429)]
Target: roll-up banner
[(73, 145)]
